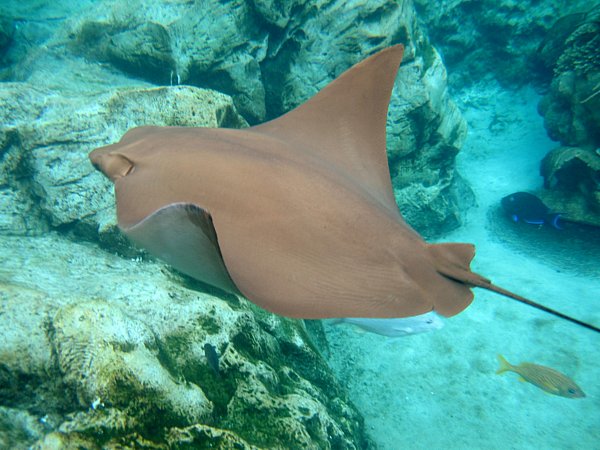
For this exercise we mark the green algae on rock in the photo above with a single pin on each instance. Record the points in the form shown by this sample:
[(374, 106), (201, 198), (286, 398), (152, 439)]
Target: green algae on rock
[(120, 363)]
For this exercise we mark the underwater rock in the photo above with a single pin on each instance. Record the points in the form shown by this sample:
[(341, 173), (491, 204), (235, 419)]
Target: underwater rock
[(45, 136), (109, 358), (143, 51), (214, 45), (277, 13), (571, 108), (493, 38), (19, 210), (571, 111), (572, 182), (196, 436), (112, 355), (425, 129), (224, 50), (423, 140), (17, 427), (6, 36)]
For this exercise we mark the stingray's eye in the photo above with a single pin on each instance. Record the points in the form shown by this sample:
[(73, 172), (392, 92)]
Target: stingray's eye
[(429, 321), (571, 391)]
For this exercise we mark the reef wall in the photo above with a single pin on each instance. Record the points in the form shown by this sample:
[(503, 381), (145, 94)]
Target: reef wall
[(99, 351), (552, 45), (269, 57), (107, 351)]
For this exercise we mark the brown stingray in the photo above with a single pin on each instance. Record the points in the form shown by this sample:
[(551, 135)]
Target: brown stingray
[(297, 214)]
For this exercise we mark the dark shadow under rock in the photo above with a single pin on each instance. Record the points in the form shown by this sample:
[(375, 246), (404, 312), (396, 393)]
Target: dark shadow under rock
[(7, 30), (573, 248), (572, 179)]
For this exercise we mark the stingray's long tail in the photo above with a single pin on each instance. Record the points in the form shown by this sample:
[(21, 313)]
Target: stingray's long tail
[(501, 291), (453, 260)]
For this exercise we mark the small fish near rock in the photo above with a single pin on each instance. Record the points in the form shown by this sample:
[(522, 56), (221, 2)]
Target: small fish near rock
[(212, 357), (526, 207), (396, 327), (545, 378)]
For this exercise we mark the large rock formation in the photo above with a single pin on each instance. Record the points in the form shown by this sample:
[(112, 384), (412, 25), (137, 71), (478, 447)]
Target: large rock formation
[(571, 111), (98, 351), (553, 45), (268, 57), (491, 38)]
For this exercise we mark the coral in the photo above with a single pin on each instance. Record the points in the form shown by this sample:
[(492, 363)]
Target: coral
[(571, 111), (581, 52), (572, 179), (571, 107), (514, 42)]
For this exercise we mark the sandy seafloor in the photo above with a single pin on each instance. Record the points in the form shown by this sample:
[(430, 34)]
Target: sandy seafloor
[(439, 390)]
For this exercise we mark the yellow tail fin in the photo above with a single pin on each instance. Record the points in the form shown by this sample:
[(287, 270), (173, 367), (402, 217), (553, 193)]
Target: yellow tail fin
[(504, 365)]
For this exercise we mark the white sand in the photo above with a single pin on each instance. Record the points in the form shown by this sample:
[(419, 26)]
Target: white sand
[(439, 390)]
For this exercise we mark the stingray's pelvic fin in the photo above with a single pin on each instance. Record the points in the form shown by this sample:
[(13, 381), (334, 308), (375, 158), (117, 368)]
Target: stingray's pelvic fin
[(452, 260), (183, 235)]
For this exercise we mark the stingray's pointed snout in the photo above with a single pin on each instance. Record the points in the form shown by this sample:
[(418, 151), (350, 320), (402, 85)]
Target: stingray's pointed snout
[(113, 165)]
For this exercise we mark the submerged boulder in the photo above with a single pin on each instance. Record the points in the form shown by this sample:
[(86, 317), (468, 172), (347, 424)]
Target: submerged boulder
[(571, 111), (143, 51), (572, 182), (113, 356), (571, 108), (268, 58), (498, 39), (47, 179), (6, 36)]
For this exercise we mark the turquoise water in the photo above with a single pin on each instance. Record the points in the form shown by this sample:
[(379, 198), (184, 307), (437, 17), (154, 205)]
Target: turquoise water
[(445, 380), (103, 345)]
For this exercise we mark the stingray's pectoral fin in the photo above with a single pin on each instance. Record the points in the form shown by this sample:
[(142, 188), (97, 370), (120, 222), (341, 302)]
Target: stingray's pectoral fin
[(183, 235)]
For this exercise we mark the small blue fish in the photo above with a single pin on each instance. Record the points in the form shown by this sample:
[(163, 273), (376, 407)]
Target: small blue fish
[(525, 207), (397, 327)]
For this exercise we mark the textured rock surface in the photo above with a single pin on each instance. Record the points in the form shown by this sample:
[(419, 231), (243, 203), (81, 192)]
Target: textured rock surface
[(552, 44), (494, 38), (6, 36), (143, 51), (571, 108), (571, 111), (268, 56), (101, 351), (47, 179), (572, 182)]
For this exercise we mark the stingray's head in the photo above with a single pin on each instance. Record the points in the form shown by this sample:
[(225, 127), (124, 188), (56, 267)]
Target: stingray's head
[(112, 164)]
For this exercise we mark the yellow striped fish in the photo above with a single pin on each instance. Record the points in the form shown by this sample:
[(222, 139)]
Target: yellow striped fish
[(545, 378)]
